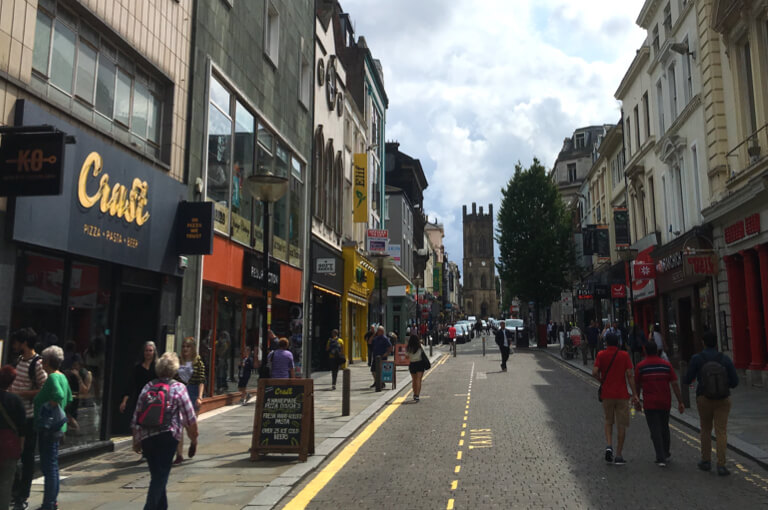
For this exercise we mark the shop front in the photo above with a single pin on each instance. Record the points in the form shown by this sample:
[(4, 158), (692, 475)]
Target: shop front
[(232, 312), (359, 277), (327, 288), (645, 308), (97, 270), (684, 275)]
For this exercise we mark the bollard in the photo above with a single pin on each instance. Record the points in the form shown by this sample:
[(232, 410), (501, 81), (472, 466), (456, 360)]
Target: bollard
[(483, 346), (454, 348), (430, 347), (684, 388), (378, 373), (346, 383)]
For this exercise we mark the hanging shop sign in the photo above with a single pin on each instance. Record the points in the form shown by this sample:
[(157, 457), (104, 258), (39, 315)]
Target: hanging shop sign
[(643, 270), (378, 240), (583, 293), (621, 227), (112, 205), (360, 180), (31, 164), (194, 225), (700, 265), (253, 272), (619, 291)]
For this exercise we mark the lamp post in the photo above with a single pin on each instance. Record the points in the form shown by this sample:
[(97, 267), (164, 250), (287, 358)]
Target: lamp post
[(267, 188)]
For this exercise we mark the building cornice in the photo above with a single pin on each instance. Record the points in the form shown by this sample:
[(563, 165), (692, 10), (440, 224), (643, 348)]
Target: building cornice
[(641, 59), (646, 13)]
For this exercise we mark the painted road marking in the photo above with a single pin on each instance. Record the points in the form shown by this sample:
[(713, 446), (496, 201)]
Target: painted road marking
[(457, 469), (482, 375), (458, 455), (454, 484), (450, 504)]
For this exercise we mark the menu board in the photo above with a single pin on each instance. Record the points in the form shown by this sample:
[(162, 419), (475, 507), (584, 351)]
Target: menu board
[(284, 419)]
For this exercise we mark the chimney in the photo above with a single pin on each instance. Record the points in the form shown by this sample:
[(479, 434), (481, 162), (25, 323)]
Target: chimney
[(474, 209), (481, 210), (464, 210), (490, 210)]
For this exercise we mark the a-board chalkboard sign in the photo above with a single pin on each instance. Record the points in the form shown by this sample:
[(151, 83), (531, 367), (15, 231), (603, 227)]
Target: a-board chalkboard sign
[(284, 421)]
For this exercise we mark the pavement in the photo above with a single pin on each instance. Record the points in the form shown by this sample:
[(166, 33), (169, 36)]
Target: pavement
[(531, 437), (747, 431), (221, 476)]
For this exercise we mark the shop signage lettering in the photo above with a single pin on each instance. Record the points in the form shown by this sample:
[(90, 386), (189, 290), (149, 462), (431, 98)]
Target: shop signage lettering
[(583, 293), (195, 228), (670, 262), (115, 200), (618, 291), (325, 266), (701, 264), (360, 208), (253, 272), (31, 164), (284, 418), (743, 229), (378, 240), (621, 227)]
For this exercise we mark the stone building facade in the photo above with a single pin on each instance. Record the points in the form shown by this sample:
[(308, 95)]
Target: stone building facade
[(479, 263)]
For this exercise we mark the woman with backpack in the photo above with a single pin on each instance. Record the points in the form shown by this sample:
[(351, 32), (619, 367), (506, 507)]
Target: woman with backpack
[(419, 363), (192, 375), (335, 348), (162, 412)]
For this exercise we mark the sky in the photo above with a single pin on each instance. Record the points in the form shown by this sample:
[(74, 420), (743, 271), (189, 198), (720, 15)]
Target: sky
[(475, 86)]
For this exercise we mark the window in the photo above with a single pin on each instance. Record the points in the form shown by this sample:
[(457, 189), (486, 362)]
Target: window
[(660, 107), (317, 170), (655, 41), (637, 127), (696, 181), (672, 91), (687, 74), (305, 81), (748, 88), (652, 202), (667, 20), (679, 198), (579, 141), (571, 172), (76, 66), (272, 32), (628, 137), (243, 167), (647, 116)]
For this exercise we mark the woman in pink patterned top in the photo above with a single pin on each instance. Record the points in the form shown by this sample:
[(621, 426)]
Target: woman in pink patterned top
[(159, 443)]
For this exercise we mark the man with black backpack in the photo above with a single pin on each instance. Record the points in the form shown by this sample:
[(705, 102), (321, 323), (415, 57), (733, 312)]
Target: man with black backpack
[(715, 375), (30, 377)]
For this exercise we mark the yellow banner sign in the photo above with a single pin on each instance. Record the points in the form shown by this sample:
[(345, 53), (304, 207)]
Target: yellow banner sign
[(360, 179)]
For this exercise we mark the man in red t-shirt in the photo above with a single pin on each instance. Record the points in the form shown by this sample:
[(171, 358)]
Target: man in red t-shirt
[(452, 332), (654, 376), (613, 369)]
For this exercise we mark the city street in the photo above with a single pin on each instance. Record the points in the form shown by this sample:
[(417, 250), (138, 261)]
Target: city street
[(528, 438)]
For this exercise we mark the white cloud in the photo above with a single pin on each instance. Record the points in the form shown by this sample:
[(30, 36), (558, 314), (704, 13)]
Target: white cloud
[(476, 85)]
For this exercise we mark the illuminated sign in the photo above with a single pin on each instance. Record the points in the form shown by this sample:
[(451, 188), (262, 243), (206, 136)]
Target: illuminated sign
[(30, 164)]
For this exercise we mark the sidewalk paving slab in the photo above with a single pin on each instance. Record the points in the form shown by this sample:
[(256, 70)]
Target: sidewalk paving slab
[(221, 475), (747, 433)]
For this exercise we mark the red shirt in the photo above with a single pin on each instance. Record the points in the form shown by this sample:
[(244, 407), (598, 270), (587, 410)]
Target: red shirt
[(614, 383), (452, 332), (653, 376)]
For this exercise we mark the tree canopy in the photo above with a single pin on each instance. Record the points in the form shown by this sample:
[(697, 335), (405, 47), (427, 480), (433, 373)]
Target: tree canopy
[(534, 232)]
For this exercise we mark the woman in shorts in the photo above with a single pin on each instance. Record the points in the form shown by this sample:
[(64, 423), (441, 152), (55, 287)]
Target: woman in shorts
[(416, 365)]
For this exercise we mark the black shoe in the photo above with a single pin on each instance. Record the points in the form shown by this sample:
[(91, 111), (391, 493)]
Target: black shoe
[(20, 505), (704, 465), (372, 385), (609, 454), (722, 471), (619, 461)]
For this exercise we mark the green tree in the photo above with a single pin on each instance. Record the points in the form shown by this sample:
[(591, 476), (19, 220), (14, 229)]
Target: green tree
[(534, 232)]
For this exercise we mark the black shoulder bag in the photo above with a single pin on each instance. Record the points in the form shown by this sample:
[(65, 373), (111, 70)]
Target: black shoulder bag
[(602, 378)]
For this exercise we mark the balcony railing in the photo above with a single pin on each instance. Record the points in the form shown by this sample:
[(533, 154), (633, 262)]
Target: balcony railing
[(753, 152)]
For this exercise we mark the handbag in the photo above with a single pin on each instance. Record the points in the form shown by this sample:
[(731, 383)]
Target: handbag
[(425, 360), (10, 445), (51, 418), (602, 379)]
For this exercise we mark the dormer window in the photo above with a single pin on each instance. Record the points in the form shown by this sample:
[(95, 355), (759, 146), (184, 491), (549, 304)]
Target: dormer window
[(579, 141)]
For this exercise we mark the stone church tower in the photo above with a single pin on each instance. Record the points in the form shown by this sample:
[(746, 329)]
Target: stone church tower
[(479, 264)]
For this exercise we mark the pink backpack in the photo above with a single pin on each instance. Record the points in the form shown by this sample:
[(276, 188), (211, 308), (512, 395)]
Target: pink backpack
[(154, 406)]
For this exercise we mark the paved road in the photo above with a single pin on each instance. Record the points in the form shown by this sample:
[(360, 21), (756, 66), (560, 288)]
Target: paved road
[(528, 438)]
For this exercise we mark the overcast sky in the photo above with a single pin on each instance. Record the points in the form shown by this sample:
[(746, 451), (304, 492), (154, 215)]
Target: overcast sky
[(476, 85)]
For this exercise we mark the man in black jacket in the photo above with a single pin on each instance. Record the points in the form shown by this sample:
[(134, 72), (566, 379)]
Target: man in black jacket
[(503, 341)]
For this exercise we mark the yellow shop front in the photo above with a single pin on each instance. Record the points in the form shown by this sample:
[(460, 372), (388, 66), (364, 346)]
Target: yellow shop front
[(359, 278)]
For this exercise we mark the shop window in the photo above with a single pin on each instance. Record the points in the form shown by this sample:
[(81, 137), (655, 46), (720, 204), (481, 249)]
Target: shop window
[(39, 298), (242, 203), (229, 322), (219, 159), (253, 319), (205, 348), (73, 60), (296, 214)]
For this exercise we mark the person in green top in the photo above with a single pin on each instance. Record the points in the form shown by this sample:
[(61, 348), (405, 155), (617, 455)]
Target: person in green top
[(55, 392)]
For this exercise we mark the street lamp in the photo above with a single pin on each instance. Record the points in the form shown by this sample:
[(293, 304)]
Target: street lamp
[(267, 188)]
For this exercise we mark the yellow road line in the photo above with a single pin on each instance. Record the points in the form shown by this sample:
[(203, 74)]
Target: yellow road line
[(461, 442), (458, 455), (457, 469), (450, 504), (454, 485)]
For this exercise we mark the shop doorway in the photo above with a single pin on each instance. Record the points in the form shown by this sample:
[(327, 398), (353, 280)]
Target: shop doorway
[(136, 321), (684, 309), (325, 318)]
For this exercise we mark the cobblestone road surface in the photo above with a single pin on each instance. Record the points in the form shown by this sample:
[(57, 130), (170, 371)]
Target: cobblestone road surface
[(527, 438)]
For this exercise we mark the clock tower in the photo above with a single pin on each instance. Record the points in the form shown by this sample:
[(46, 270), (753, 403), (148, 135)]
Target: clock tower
[(480, 297)]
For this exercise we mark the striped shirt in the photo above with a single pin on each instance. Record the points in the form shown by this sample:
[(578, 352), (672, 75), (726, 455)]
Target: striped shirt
[(182, 412), (653, 376), (22, 382)]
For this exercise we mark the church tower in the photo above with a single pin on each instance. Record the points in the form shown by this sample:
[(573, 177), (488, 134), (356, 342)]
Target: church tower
[(480, 297)]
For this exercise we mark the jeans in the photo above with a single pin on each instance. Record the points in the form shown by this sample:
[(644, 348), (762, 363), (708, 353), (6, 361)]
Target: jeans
[(23, 479), (334, 370), (658, 425), (713, 411), (504, 356), (49, 465), (159, 451)]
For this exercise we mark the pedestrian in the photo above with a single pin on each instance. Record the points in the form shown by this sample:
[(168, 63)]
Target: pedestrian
[(613, 328), (335, 348), (380, 347), (80, 381), (281, 361), (661, 344), (143, 372), (613, 368), (30, 377), (549, 329), (452, 333), (654, 377), (637, 343), (12, 426), (418, 363), (368, 337), (244, 371), (157, 434), (593, 335), (57, 394), (191, 373), (715, 375), (502, 340)]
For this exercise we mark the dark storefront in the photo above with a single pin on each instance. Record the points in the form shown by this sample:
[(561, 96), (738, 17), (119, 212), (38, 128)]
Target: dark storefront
[(327, 288), (684, 276), (96, 267)]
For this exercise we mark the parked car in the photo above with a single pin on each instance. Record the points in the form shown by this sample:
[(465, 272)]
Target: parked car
[(516, 326)]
